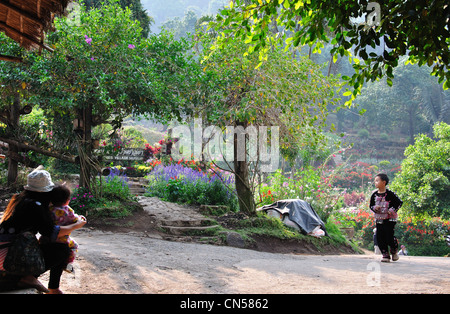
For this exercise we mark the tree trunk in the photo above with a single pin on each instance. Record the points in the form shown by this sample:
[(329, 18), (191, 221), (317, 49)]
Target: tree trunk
[(85, 149), (243, 189), (12, 148)]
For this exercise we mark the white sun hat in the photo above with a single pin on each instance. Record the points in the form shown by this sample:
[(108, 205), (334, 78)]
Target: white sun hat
[(39, 180)]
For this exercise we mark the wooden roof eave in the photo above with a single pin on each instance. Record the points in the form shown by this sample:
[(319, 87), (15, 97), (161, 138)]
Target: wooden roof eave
[(22, 35), (23, 13), (25, 21)]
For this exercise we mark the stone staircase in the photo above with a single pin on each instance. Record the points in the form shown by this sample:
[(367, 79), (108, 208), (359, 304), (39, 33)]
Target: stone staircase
[(180, 223), (184, 223), (137, 185)]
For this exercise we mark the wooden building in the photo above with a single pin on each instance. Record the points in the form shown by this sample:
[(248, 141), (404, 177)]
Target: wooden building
[(26, 21)]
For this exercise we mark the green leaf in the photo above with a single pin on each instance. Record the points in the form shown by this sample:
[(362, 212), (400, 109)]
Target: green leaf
[(389, 81), (335, 57), (446, 85), (347, 93)]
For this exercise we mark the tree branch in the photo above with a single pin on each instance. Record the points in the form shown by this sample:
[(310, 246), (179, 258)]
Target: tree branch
[(10, 58), (39, 150)]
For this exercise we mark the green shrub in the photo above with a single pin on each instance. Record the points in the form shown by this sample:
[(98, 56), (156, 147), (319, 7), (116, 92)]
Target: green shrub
[(115, 187), (82, 200), (113, 200), (424, 182)]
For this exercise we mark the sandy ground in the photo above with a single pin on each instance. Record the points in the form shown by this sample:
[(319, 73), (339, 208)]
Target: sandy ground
[(117, 261), (137, 263)]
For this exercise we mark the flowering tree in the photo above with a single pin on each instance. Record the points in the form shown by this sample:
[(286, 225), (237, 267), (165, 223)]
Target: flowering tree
[(102, 70), (22, 126)]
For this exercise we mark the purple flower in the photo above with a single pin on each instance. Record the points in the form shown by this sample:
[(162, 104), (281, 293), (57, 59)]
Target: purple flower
[(88, 39), (187, 175), (131, 46)]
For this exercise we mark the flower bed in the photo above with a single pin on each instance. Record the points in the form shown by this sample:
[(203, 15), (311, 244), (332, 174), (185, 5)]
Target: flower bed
[(421, 237), (309, 184), (184, 182)]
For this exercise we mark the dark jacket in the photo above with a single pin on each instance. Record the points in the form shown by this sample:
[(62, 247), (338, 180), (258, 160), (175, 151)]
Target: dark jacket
[(387, 200), (30, 215)]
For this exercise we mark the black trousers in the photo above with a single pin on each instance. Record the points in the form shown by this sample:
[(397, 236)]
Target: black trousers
[(56, 256), (386, 238)]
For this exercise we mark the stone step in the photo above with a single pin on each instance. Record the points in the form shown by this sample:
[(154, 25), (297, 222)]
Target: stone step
[(197, 239), (187, 223), (191, 231), (137, 189)]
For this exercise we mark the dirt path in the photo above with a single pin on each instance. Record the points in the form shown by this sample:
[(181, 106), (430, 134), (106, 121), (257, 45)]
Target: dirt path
[(137, 263), (116, 261)]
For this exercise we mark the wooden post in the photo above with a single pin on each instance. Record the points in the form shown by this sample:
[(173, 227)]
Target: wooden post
[(14, 115)]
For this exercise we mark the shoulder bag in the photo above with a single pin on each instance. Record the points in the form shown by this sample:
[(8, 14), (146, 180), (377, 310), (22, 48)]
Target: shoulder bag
[(24, 256)]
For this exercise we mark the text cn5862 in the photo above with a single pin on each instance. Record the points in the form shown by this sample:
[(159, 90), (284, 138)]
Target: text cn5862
[(230, 303)]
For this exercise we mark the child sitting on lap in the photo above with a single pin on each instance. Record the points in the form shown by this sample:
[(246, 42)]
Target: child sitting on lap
[(64, 215)]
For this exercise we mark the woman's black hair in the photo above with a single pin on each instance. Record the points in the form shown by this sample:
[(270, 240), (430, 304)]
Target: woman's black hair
[(41, 197), (383, 177)]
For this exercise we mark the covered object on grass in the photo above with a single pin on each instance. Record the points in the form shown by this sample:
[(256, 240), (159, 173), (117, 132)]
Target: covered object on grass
[(298, 214)]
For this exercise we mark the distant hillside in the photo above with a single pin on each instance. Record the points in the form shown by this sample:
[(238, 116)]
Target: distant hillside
[(164, 10)]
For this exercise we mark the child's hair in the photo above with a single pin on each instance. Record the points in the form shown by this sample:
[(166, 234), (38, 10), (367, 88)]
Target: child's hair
[(60, 194), (383, 177)]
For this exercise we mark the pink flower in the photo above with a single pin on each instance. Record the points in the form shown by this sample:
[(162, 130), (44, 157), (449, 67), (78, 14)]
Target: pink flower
[(131, 46), (88, 40)]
